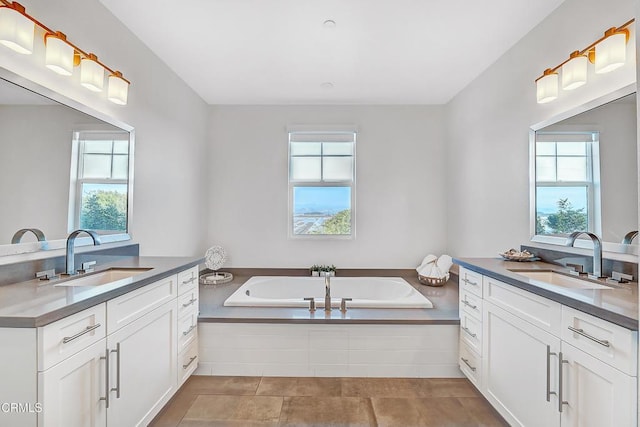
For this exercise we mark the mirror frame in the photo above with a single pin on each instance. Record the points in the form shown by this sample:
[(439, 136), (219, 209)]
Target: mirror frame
[(30, 247), (612, 247)]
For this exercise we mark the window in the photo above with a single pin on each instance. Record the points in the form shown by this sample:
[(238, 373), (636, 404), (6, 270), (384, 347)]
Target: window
[(322, 183), (567, 177), (100, 182)]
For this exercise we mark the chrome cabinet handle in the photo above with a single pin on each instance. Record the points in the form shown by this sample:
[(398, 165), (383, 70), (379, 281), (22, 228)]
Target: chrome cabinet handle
[(604, 343), (469, 282), (184, 282), (117, 387), (465, 302), (549, 392), (188, 331), (561, 402), (468, 331), (88, 329), (106, 376), (191, 301), (190, 362), (466, 362)]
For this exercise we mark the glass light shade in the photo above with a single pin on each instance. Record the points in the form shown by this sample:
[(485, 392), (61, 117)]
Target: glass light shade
[(91, 74), (59, 55), (547, 88), (574, 73), (611, 53), (118, 89), (16, 31)]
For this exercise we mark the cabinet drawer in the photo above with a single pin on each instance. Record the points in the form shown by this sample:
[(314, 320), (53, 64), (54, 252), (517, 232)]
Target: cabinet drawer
[(187, 362), (188, 301), (537, 310), (132, 306), (67, 336), (471, 331), (470, 364), (471, 303), (187, 329), (470, 281), (612, 344), (187, 280)]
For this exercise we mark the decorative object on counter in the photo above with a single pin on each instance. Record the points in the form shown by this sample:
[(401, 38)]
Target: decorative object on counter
[(322, 270), (514, 255), (214, 258), (434, 271)]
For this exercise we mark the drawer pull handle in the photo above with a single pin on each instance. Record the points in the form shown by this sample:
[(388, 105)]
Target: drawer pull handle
[(88, 329), (469, 282), (561, 363), (190, 362), (117, 387), (106, 378), (188, 331), (190, 302), (466, 362), (604, 343), (468, 331), (184, 282), (549, 354), (465, 302)]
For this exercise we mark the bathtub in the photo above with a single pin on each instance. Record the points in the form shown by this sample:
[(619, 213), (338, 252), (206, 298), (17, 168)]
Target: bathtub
[(366, 292)]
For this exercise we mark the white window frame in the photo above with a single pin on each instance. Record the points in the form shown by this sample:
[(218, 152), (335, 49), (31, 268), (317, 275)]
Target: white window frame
[(319, 134)]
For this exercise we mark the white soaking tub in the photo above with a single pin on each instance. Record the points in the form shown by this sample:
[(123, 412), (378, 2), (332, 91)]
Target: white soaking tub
[(290, 291)]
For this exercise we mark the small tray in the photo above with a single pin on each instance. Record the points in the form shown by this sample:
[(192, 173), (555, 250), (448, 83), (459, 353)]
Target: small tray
[(519, 258), (216, 278), (433, 281)]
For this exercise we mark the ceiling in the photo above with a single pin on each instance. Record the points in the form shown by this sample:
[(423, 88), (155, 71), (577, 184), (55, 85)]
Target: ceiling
[(281, 52)]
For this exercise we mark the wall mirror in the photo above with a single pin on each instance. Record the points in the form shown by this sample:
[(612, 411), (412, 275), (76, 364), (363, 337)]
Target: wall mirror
[(62, 167), (584, 174)]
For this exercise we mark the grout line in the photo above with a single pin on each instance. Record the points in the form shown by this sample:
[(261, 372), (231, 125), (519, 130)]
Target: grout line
[(373, 412)]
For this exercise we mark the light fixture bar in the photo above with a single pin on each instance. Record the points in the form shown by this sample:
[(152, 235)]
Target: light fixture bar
[(589, 49)]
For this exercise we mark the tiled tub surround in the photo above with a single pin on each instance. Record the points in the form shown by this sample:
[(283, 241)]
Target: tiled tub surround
[(359, 343)]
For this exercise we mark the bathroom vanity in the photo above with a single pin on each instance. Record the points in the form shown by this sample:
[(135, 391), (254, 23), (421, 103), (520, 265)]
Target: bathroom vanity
[(562, 354), (82, 352)]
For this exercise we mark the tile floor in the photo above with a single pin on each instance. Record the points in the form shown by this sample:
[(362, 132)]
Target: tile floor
[(277, 401)]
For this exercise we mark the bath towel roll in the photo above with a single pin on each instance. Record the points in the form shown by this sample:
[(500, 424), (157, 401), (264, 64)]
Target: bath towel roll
[(427, 270), (428, 260), (444, 263)]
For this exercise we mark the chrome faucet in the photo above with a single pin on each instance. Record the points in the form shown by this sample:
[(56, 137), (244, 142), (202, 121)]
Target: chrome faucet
[(628, 238), (71, 241), (327, 293), (18, 235), (597, 251)]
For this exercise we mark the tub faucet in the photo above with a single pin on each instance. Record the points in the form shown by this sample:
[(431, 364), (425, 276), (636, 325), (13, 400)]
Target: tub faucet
[(327, 293), (71, 241), (597, 251)]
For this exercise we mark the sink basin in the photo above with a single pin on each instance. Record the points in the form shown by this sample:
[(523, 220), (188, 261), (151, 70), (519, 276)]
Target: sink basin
[(102, 277), (559, 279)]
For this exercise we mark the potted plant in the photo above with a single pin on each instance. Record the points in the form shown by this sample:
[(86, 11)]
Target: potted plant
[(315, 270)]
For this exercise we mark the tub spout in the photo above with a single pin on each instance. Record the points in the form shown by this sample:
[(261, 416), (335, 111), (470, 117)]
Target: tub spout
[(327, 293)]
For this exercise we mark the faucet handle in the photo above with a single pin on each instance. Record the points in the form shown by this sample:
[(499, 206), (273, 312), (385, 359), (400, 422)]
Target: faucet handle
[(312, 303), (621, 277), (343, 304), (46, 274), (87, 267), (576, 269)]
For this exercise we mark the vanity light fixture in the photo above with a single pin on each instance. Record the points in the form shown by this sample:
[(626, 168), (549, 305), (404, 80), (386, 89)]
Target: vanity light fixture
[(17, 30), (607, 53)]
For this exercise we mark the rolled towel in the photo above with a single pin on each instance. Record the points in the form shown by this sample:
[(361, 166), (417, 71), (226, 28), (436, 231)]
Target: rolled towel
[(427, 260), (444, 263), (427, 270)]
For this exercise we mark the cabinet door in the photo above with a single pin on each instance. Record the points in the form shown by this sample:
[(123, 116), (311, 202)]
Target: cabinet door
[(597, 395), (518, 374), (72, 391), (143, 367)]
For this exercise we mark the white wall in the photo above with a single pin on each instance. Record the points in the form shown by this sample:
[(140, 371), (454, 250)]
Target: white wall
[(400, 196), (488, 124), (169, 120)]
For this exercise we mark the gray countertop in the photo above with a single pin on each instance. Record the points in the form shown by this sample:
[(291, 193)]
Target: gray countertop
[(618, 305), (444, 299), (37, 303)]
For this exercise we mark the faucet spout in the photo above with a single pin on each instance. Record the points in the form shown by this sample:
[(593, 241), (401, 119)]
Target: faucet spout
[(71, 241), (327, 293), (18, 235), (628, 238), (597, 251)]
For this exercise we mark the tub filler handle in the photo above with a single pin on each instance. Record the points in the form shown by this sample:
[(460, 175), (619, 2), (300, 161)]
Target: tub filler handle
[(312, 303), (343, 304)]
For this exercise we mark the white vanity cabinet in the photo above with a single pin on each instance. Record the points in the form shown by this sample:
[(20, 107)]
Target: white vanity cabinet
[(188, 310), (545, 364)]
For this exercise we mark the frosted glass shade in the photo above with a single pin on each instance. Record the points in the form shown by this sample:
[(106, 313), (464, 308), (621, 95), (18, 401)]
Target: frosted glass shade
[(59, 55), (91, 74), (118, 89), (16, 31), (547, 88), (574, 73), (611, 53)]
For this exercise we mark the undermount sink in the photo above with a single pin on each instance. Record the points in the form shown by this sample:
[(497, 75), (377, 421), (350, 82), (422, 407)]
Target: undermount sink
[(559, 279), (102, 277)]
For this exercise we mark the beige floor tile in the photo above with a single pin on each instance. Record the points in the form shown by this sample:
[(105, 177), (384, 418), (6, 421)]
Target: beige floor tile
[(482, 412), (285, 386), (379, 387), (200, 384), (174, 411), (326, 411), (444, 387), (235, 408)]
